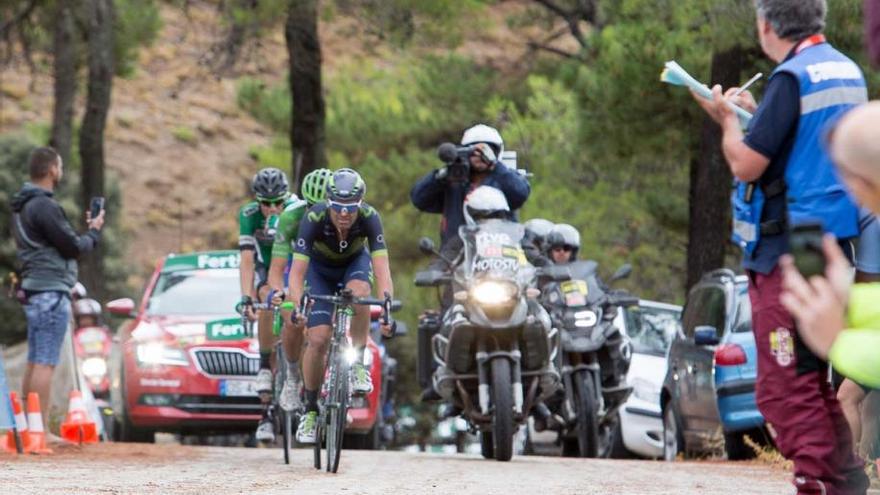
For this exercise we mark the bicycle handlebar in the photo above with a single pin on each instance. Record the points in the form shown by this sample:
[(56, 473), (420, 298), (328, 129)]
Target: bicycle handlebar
[(345, 297)]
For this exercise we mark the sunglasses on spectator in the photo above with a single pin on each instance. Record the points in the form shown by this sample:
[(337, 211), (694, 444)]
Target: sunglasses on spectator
[(272, 202), (344, 208)]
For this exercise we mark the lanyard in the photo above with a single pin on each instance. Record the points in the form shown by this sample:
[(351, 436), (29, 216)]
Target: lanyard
[(811, 41)]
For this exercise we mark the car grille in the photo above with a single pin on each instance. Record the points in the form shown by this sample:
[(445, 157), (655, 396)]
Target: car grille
[(215, 404), (233, 362)]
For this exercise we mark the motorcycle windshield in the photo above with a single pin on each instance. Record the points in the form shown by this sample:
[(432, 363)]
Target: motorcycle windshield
[(493, 250), (583, 289)]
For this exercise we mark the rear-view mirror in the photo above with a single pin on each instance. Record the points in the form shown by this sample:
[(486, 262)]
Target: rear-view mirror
[(426, 245), (122, 307), (706, 335), (622, 272)]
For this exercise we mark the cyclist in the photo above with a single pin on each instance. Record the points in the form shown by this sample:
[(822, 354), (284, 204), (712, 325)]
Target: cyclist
[(340, 243), (314, 184), (256, 221)]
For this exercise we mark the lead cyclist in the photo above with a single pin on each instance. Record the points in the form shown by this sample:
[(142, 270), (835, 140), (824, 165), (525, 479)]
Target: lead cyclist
[(340, 243)]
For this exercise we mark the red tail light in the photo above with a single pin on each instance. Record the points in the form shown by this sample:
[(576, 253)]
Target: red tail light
[(730, 355)]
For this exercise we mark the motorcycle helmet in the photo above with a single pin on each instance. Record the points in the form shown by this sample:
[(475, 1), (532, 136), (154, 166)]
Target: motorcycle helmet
[(346, 186), (270, 184), (537, 230), (481, 133), (483, 203), (87, 308), (564, 234), (314, 185)]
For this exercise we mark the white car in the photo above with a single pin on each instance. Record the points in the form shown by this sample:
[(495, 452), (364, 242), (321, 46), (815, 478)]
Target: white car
[(651, 328)]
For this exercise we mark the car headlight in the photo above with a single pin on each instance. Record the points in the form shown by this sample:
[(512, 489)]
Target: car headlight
[(94, 367), (646, 391), (494, 293), (153, 353)]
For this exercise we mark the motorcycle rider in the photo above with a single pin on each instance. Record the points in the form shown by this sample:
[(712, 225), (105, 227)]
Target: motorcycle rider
[(86, 313), (563, 243), (537, 230), (439, 192)]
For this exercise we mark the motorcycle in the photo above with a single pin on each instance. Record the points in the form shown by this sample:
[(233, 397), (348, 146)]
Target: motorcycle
[(92, 343), (595, 358), (387, 407), (495, 351)]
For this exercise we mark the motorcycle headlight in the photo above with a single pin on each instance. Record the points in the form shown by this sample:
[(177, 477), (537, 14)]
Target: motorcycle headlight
[(154, 353), (494, 293), (94, 367)]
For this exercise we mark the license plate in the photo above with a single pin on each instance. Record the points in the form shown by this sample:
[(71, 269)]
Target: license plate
[(238, 388)]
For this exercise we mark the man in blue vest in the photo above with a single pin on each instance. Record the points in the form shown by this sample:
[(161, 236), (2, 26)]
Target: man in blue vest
[(785, 177)]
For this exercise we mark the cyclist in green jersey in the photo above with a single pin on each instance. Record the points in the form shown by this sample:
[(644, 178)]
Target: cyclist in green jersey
[(257, 224), (313, 187)]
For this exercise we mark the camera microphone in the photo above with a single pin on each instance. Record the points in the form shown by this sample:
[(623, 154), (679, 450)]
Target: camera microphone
[(447, 152)]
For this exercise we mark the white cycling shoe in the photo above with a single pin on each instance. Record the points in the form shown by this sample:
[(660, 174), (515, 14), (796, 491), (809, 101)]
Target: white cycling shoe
[(307, 428), (361, 381), (264, 381), (265, 431), (289, 399)]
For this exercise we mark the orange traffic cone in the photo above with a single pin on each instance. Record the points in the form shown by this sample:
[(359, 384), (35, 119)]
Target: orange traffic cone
[(77, 427), (36, 433), (8, 442)]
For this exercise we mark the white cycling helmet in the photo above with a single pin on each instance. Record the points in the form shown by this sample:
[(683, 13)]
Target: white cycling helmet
[(481, 133), (483, 203)]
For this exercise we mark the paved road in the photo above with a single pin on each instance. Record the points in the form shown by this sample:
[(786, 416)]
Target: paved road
[(169, 468)]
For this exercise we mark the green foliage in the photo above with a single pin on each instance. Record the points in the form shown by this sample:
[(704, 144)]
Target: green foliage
[(137, 23), (270, 106)]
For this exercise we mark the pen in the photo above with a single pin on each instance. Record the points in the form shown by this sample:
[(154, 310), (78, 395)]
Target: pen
[(746, 85)]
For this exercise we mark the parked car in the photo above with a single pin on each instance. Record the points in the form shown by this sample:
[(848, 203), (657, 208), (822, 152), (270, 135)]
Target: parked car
[(651, 327), (186, 365), (709, 389)]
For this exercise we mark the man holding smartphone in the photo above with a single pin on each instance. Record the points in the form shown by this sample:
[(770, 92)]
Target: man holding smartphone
[(47, 250), (785, 178)]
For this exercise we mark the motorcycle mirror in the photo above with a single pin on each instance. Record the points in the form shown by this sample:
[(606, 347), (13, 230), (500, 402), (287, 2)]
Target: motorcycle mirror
[(623, 272), (426, 245)]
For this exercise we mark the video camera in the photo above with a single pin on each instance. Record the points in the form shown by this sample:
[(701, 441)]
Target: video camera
[(457, 160)]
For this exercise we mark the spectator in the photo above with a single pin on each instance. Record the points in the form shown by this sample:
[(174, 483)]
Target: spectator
[(820, 304), (872, 30), (47, 250), (785, 177)]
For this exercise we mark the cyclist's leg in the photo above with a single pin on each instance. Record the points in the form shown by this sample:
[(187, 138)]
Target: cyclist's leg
[(265, 429), (292, 340), (358, 278)]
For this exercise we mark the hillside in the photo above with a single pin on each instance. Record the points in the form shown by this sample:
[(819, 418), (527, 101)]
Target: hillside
[(176, 140)]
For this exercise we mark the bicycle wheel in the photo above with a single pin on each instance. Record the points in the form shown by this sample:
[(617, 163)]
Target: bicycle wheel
[(319, 437), (337, 416)]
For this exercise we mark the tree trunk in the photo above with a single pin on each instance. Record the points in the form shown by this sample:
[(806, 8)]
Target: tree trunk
[(307, 114), (65, 81), (91, 135), (710, 182)]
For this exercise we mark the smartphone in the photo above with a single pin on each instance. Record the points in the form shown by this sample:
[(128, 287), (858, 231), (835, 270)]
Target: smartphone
[(806, 247), (95, 206)]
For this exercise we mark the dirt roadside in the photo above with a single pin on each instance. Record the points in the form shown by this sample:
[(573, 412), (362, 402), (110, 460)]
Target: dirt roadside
[(169, 468)]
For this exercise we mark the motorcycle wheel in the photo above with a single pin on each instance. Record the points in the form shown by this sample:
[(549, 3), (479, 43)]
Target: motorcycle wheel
[(487, 445), (587, 428), (502, 419)]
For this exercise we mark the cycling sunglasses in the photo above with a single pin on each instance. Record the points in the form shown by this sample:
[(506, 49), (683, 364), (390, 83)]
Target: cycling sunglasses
[(344, 208), (272, 202)]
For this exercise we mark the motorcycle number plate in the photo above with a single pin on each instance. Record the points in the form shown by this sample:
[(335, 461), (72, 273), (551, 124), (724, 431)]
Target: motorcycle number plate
[(575, 292), (238, 388)]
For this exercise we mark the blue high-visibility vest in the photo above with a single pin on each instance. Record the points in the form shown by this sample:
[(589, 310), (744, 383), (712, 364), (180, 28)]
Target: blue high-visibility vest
[(830, 84)]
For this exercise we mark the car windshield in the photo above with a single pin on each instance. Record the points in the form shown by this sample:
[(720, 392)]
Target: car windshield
[(195, 292), (652, 329)]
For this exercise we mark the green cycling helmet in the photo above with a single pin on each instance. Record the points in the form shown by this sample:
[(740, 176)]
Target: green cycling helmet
[(314, 185)]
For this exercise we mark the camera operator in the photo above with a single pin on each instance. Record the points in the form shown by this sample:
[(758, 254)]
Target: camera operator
[(476, 163), (473, 164)]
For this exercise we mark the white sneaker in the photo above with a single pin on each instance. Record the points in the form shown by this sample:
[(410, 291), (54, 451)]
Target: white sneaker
[(361, 381), (265, 431), (289, 400), (264, 381), (308, 424)]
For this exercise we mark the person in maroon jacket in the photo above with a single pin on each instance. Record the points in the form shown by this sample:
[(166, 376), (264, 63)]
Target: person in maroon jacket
[(872, 30)]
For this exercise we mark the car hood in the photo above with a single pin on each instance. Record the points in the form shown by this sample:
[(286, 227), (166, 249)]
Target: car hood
[(647, 367), (186, 329)]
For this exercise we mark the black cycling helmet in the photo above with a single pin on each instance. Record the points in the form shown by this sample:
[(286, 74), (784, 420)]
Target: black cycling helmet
[(270, 184), (346, 186)]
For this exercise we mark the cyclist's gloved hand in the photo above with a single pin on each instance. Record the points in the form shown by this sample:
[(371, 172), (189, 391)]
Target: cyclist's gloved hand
[(247, 307), (276, 297), (389, 328)]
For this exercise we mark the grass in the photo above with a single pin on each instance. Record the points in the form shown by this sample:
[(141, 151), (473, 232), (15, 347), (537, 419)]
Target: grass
[(185, 135)]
